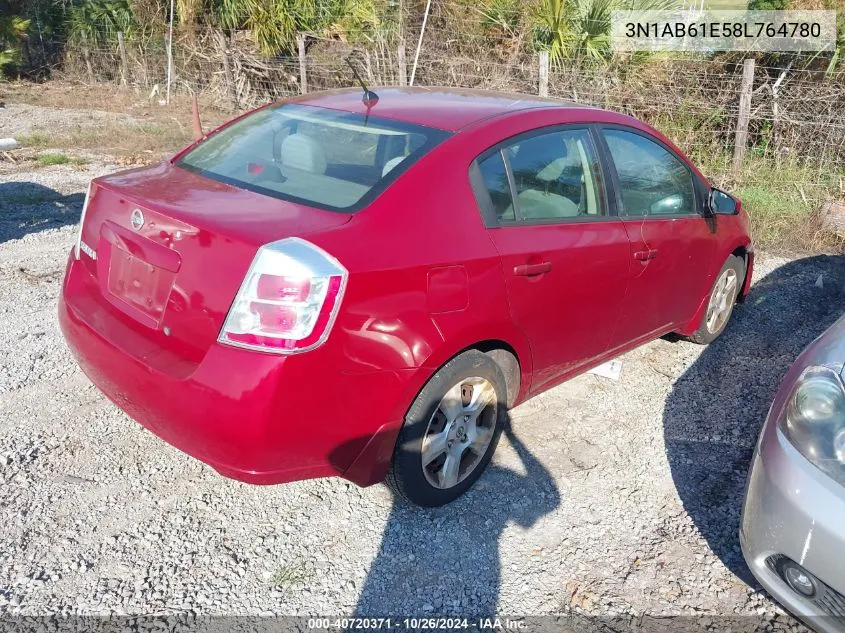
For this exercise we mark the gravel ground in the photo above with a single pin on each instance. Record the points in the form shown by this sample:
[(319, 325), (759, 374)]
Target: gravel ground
[(611, 498)]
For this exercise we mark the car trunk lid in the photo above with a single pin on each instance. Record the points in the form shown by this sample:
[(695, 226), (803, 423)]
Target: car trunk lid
[(171, 248)]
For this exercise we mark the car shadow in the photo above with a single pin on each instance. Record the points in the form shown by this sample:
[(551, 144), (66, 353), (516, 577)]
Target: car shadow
[(445, 561), (717, 407), (29, 207)]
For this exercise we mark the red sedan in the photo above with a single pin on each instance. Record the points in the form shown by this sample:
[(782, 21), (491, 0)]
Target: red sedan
[(361, 288)]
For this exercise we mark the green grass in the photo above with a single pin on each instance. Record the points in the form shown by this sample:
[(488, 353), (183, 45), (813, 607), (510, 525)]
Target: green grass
[(289, 575), (783, 200), (151, 129), (36, 138), (783, 197), (46, 160), (53, 159)]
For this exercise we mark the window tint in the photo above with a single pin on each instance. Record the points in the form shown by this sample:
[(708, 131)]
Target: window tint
[(496, 181), (652, 180), (318, 156), (556, 176)]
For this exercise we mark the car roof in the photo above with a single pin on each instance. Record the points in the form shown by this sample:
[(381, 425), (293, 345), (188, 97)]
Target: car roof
[(444, 108)]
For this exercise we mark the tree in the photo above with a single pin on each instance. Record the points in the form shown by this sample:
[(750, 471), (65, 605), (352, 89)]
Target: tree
[(767, 5), (580, 29), (93, 22), (13, 32)]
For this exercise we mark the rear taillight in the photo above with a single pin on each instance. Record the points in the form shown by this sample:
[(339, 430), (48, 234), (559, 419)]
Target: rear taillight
[(288, 301), (82, 221)]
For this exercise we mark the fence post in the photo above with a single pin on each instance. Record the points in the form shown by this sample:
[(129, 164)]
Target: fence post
[(744, 115), (303, 77), (419, 43), (544, 73), (776, 110), (231, 90), (368, 65), (87, 57), (403, 68), (124, 65), (168, 49)]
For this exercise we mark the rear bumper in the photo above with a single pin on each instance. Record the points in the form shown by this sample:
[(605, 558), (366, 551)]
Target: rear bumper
[(258, 418), (792, 509)]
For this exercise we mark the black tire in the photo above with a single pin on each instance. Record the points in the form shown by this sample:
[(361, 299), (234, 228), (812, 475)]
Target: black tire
[(703, 335), (406, 476)]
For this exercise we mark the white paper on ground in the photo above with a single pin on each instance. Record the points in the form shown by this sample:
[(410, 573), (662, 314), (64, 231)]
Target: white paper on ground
[(610, 369)]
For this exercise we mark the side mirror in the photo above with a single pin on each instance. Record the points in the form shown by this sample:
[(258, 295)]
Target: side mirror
[(668, 205), (723, 203)]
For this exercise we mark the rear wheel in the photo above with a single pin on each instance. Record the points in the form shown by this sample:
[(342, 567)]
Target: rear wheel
[(450, 431), (721, 303)]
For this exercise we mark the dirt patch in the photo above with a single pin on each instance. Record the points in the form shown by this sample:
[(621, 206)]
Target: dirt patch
[(125, 122)]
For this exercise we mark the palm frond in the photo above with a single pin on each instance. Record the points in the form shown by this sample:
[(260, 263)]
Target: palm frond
[(13, 31), (96, 21), (579, 30)]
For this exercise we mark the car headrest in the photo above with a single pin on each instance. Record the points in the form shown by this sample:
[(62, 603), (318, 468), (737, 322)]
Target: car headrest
[(545, 156), (553, 170), (391, 164), (302, 152)]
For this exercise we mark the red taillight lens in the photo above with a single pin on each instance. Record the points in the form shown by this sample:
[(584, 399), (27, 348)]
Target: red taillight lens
[(282, 288), (275, 317), (288, 300)]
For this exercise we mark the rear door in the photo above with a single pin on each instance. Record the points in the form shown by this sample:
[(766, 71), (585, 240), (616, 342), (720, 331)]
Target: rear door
[(661, 203), (565, 258)]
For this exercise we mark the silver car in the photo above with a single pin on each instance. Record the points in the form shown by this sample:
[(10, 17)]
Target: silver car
[(792, 530)]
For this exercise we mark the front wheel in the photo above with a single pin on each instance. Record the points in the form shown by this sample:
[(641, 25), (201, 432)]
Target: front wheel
[(450, 431), (721, 303)]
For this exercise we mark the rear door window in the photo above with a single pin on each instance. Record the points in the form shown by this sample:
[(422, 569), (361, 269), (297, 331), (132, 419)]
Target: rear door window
[(548, 177), (495, 177), (326, 158), (556, 176)]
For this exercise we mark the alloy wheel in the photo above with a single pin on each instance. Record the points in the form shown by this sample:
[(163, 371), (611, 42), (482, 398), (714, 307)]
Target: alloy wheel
[(721, 301), (459, 432)]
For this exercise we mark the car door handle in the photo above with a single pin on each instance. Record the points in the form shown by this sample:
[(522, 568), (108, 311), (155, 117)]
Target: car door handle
[(528, 270), (646, 255)]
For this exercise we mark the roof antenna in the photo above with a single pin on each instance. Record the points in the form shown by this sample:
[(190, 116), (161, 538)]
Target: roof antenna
[(370, 98)]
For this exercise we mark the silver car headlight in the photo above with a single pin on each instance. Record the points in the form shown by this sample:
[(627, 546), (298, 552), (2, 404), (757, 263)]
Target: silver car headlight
[(814, 419)]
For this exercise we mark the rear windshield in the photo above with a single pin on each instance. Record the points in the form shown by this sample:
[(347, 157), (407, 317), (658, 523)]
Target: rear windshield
[(325, 158)]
